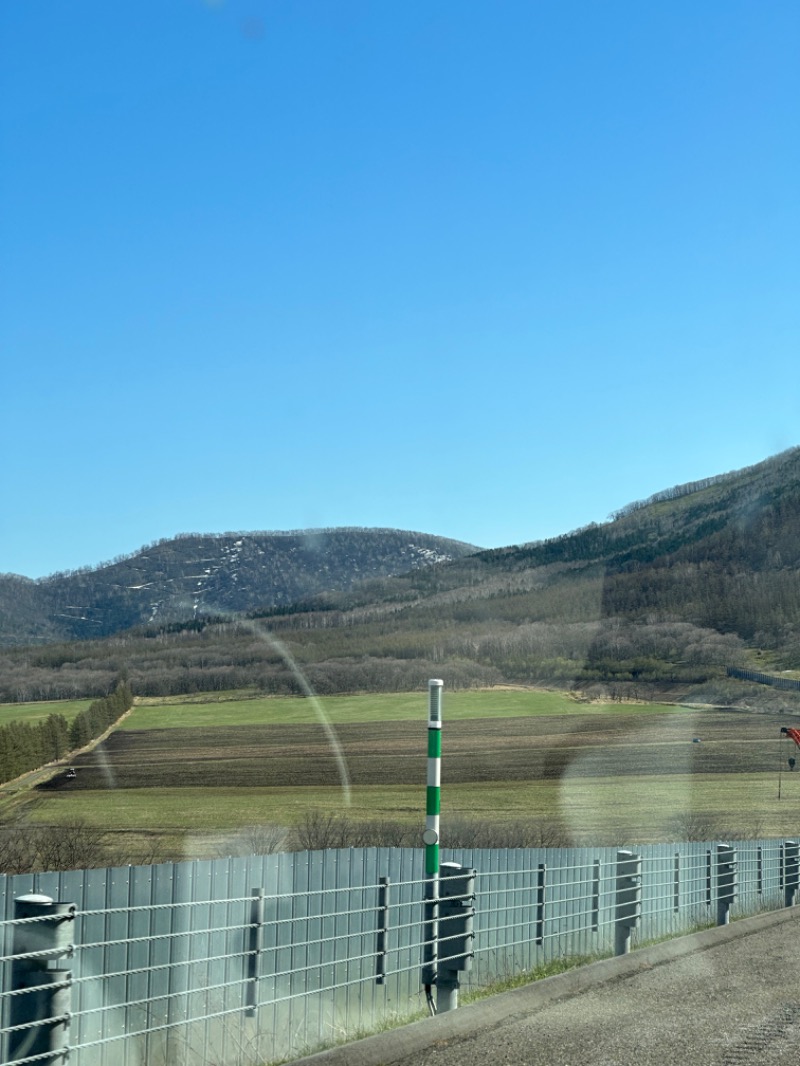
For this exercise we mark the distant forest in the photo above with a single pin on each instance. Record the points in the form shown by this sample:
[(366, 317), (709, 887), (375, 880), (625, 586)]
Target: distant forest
[(232, 573)]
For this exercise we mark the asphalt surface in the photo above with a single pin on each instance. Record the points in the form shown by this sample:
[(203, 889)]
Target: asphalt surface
[(723, 997)]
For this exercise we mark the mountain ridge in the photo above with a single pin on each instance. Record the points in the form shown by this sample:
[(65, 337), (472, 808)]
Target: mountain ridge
[(670, 594), (176, 578)]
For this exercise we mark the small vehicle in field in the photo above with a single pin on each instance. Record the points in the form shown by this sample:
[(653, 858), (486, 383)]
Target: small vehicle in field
[(70, 774)]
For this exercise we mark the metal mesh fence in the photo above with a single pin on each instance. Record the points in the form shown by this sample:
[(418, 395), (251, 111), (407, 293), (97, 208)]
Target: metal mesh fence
[(240, 961)]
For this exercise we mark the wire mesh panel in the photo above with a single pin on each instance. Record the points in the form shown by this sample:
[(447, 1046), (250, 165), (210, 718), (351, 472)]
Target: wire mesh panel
[(774, 862), (405, 931)]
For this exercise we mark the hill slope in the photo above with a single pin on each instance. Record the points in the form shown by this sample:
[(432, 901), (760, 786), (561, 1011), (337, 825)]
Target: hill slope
[(177, 579), (670, 592)]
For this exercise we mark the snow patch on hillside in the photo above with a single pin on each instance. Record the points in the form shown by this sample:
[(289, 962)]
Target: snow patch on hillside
[(428, 556)]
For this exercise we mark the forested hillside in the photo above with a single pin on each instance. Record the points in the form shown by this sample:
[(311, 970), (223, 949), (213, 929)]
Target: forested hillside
[(670, 592), (177, 579)]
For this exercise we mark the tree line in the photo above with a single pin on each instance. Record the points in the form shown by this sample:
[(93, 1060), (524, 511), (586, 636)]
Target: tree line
[(77, 844), (26, 746)]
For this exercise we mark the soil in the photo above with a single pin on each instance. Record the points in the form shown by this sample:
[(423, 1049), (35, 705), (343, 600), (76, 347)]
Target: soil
[(394, 753)]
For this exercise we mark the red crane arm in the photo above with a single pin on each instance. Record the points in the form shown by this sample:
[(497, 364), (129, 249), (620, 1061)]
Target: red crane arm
[(793, 733)]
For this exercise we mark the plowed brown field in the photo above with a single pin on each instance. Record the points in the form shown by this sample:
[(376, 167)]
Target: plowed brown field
[(393, 753)]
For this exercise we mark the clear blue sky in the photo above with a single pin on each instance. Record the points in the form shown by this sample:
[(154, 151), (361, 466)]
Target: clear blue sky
[(484, 268)]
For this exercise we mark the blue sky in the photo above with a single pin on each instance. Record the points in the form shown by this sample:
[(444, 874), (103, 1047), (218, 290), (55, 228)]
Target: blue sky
[(484, 269)]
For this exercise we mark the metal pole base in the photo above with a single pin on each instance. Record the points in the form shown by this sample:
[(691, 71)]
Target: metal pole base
[(446, 995)]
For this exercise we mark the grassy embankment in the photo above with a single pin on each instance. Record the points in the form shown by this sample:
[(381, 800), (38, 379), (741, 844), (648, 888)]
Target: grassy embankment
[(195, 768)]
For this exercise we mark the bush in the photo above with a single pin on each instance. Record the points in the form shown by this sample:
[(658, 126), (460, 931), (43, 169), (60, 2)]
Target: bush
[(74, 845), (322, 829)]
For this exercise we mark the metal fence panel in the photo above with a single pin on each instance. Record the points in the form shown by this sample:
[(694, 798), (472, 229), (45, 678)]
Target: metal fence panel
[(234, 961)]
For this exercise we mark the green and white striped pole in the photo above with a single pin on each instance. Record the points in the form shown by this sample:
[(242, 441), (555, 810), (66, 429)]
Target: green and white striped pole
[(430, 837), (433, 793)]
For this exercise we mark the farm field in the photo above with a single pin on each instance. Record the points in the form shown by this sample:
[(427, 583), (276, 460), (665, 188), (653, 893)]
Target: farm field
[(31, 713), (606, 773), (611, 810), (232, 709), (552, 747)]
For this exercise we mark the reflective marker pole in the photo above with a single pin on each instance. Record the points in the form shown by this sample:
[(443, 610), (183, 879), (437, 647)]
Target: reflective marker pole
[(433, 794), (430, 837)]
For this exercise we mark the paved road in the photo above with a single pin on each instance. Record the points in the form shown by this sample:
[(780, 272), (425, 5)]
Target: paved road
[(724, 997)]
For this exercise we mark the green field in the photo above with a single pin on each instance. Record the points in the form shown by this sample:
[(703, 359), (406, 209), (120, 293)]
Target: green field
[(38, 712), (609, 810), (181, 713), (194, 769)]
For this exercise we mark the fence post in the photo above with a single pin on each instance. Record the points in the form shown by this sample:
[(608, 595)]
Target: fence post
[(541, 882), (596, 896), (44, 934), (791, 874), (628, 899), (254, 947), (456, 912), (726, 882), (382, 945)]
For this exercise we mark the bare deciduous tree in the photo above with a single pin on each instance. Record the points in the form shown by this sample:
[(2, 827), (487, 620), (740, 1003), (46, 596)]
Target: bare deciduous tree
[(254, 840)]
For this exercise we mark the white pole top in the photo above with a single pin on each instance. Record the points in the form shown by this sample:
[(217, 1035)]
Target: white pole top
[(435, 687)]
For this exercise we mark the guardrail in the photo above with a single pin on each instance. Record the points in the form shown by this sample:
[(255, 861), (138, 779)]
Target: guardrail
[(188, 964), (788, 684)]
